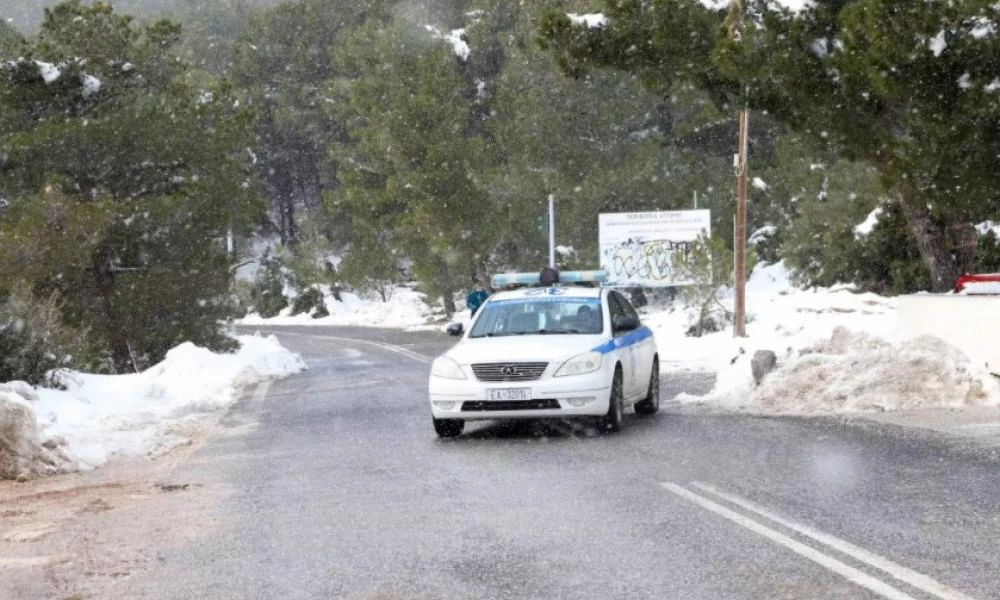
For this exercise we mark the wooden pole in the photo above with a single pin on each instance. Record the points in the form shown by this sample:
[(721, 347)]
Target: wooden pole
[(740, 239), (742, 173)]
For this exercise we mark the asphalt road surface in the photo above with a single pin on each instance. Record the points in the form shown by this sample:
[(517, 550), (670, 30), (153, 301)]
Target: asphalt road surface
[(333, 485)]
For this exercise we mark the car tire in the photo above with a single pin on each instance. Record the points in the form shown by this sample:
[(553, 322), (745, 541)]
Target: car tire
[(612, 421), (449, 428), (650, 405)]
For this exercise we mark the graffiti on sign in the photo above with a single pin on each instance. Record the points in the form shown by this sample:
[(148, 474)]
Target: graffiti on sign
[(646, 261)]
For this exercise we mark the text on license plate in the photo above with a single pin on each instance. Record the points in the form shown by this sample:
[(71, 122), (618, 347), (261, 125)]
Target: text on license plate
[(510, 394)]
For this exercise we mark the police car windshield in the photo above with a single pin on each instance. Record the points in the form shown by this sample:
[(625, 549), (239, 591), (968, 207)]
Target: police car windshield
[(539, 316)]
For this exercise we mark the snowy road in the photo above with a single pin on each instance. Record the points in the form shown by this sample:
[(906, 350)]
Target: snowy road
[(332, 484)]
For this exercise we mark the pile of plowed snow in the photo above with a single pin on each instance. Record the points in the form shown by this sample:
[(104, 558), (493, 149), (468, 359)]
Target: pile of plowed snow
[(837, 350), (854, 372), (21, 451), (43, 431)]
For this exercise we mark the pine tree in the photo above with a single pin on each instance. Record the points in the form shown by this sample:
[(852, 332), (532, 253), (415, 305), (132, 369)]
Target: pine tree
[(415, 172), (904, 87), (11, 40), (122, 182)]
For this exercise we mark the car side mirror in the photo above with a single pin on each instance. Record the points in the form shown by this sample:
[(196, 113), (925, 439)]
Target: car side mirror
[(455, 329), (626, 323)]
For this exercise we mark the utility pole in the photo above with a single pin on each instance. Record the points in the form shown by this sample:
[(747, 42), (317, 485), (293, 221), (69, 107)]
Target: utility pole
[(740, 237), (552, 230), (552, 212)]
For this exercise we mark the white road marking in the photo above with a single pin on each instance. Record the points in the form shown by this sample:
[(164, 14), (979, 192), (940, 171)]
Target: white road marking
[(260, 393), (336, 388), (34, 561), (351, 353), (917, 580), (358, 384), (29, 532), (384, 346), (844, 570)]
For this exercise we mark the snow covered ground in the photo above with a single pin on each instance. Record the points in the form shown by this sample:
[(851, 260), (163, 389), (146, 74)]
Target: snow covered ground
[(837, 350), (405, 309), (98, 416)]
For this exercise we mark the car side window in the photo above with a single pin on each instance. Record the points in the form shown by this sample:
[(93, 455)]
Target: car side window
[(615, 308), (627, 307)]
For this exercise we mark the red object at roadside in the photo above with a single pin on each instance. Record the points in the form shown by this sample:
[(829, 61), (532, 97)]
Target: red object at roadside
[(981, 278)]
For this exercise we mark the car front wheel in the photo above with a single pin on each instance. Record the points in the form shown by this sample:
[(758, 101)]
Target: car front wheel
[(651, 403), (612, 421), (449, 428)]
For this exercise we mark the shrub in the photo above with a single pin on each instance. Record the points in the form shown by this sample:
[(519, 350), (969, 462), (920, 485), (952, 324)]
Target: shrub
[(710, 265), (371, 271), (268, 292), (34, 340), (241, 298), (310, 301)]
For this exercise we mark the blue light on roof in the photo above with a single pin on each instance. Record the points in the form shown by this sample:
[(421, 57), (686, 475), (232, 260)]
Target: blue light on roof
[(583, 277), (505, 279)]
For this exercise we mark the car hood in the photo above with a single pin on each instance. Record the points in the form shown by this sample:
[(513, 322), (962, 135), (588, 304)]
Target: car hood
[(523, 348)]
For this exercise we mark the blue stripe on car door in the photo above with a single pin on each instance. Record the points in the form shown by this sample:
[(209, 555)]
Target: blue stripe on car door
[(626, 340)]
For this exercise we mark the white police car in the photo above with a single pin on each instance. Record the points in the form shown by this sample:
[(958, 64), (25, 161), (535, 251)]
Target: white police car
[(561, 351)]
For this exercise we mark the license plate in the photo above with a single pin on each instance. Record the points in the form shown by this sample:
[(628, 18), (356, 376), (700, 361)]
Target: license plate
[(510, 394)]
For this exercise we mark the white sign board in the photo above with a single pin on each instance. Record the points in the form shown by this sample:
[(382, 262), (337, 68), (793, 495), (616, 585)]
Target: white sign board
[(639, 248)]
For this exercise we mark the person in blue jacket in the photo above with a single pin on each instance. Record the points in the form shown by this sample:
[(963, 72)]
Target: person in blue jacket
[(475, 298)]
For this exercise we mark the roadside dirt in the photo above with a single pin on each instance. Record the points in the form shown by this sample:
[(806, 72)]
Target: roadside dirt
[(71, 537)]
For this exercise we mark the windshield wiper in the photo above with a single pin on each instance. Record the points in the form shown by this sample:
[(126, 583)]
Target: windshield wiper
[(503, 333), (547, 331)]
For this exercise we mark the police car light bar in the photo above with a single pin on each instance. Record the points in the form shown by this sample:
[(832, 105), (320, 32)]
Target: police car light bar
[(505, 279)]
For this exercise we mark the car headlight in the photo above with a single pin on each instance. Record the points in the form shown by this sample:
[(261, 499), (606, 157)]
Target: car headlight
[(578, 365), (446, 368)]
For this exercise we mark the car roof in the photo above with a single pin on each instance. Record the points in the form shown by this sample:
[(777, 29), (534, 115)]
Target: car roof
[(534, 293)]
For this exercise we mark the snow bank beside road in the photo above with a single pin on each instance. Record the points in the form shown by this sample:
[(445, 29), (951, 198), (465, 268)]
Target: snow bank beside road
[(854, 372), (851, 373), (406, 309), (780, 316), (99, 416)]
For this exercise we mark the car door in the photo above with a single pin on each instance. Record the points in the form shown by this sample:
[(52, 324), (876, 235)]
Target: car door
[(625, 351), (645, 348)]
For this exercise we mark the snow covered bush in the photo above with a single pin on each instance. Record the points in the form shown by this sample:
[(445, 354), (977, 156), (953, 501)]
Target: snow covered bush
[(241, 298), (310, 301), (371, 271), (268, 291), (33, 339), (709, 263)]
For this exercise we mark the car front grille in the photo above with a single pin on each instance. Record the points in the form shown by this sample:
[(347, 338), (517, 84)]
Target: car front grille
[(509, 371), (498, 406)]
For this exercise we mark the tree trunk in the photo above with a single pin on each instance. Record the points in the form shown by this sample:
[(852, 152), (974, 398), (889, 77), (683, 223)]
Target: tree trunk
[(286, 208), (966, 244), (933, 246), (447, 290), (483, 275), (104, 284)]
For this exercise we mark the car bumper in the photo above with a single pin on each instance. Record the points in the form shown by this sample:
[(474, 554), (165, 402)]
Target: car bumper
[(551, 398)]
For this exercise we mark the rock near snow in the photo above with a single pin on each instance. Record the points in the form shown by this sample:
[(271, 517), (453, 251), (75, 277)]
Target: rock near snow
[(762, 363)]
